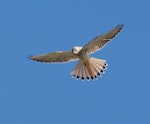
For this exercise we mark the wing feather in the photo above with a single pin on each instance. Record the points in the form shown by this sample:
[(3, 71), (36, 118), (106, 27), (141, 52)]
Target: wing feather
[(55, 57), (98, 42)]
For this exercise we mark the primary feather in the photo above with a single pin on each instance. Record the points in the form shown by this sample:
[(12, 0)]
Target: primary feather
[(98, 42), (87, 67), (55, 57)]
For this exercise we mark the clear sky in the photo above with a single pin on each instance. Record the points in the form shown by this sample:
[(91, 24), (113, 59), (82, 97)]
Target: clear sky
[(37, 93)]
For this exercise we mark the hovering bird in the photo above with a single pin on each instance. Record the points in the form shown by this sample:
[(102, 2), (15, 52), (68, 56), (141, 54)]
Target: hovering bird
[(87, 67)]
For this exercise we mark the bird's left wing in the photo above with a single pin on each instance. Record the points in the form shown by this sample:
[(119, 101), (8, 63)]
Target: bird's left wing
[(98, 42), (55, 57)]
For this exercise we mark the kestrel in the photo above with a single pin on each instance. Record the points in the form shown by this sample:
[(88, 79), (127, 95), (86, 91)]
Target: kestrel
[(87, 67)]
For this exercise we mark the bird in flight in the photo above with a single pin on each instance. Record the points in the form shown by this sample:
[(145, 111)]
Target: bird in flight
[(87, 67)]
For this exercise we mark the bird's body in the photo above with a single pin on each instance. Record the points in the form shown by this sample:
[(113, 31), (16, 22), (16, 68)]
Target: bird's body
[(82, 55), (87, 66)]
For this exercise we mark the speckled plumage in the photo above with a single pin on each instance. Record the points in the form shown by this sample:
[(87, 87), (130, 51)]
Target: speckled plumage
[(87, 67)]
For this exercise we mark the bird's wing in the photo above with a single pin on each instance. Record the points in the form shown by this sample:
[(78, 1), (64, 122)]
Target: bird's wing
[(98, 42), (55, 57)]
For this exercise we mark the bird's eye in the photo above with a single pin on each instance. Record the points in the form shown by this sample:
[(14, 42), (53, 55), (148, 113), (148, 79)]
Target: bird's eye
[(73, 50)]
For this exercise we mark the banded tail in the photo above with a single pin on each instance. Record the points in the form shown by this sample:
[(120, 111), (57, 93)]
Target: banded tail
[(91, 70)]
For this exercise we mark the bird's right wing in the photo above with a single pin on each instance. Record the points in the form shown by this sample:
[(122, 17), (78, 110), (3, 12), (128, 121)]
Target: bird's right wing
[(55, 57), (98, 42)]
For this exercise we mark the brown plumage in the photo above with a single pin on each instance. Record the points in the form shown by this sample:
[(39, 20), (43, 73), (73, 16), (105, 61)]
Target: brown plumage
[(87, 67)]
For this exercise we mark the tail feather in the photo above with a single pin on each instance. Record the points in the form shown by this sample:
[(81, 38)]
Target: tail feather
[(86, 72), (98, 66), (91, 70), (82, 74), (76, 71)]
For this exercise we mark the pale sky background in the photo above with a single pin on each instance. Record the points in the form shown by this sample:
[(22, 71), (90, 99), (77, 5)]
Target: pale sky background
[(37, 93)]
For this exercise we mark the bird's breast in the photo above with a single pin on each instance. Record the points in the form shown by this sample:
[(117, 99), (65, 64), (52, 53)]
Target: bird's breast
[(83, 56)]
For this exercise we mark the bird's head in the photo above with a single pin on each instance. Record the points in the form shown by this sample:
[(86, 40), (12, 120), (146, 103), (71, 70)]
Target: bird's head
[(76, 49)]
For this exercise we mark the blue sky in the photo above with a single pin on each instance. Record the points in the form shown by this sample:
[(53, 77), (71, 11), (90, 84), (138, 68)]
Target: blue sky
[(37, 93)]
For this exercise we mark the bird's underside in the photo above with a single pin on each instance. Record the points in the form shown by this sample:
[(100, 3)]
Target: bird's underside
[(87, 67)]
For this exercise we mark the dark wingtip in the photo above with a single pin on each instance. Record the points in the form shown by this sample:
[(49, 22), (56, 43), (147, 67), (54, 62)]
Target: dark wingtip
[(120, 26), (29, 57)]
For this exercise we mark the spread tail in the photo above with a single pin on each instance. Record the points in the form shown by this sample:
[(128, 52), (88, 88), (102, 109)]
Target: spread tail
[(91, 70)]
